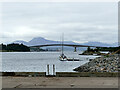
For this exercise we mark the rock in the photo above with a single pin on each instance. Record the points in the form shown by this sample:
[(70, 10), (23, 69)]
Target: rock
[(103, 64)]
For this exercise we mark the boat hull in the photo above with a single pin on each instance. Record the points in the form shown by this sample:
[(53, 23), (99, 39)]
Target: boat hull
[(73, 60), (70, 59)]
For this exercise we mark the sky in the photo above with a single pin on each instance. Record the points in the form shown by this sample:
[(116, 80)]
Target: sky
[(79, 21)]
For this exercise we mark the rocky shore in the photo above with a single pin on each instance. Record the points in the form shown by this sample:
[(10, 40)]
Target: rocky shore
[(101, 64)]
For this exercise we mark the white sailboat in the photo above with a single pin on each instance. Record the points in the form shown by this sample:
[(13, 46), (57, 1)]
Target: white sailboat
[(63, 57)]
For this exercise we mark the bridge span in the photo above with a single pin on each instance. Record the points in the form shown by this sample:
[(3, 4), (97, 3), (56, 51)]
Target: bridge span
[(70, 45)]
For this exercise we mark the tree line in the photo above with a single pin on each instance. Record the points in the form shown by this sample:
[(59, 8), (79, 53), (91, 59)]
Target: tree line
[(14, 47), (97, 49)]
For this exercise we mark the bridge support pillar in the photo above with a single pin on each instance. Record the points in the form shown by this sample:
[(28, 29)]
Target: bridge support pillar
[(75, 50)]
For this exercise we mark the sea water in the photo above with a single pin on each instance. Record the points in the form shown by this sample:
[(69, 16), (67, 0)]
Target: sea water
[(38, 61)]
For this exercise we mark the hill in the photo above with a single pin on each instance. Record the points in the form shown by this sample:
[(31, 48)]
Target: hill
[(42, 41)]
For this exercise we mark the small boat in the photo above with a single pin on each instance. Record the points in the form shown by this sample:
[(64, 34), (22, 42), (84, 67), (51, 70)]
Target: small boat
[(63, 57), (73, 59)]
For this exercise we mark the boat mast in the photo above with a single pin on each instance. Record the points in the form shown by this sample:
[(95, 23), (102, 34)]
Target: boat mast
[(62, 42)]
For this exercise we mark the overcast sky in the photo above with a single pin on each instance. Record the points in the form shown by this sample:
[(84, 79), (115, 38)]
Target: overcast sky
[(80, 21)]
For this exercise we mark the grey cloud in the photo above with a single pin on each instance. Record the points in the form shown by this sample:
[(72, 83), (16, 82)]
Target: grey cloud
[(82, 21)]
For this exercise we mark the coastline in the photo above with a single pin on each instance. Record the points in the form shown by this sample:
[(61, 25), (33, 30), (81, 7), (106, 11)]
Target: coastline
[(60, 74), (100, 64)]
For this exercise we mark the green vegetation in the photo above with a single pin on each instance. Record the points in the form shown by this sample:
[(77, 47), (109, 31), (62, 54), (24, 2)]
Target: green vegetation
[(14, 48), (86, 74), (110, 49), (91, 51), (63, 74)]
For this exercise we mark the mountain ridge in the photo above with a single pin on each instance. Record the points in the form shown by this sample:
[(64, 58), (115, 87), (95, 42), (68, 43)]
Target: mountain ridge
[(42, 41)]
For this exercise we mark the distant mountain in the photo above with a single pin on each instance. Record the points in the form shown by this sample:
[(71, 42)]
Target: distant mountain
[(41, 41), (97, 44), (115, 44)]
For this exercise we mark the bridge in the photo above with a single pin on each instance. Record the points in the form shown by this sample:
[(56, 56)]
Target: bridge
[(70, 45)]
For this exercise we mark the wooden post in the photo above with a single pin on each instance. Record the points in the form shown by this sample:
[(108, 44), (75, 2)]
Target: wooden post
[(48, 69), (53, 69)]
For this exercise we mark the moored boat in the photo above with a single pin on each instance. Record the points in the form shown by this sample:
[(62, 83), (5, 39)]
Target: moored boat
[(63, 57), (73, 59)]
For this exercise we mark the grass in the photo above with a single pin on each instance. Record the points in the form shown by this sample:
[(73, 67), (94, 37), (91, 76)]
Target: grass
[(63, 74)]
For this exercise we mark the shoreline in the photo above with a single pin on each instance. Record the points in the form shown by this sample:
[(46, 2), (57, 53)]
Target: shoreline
[(60, 74), (100, 64)]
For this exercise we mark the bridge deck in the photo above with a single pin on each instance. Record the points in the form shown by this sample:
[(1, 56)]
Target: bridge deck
[(70, 45)]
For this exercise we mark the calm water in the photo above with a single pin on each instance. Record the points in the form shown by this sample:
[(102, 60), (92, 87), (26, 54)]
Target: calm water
[(37, 61)]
